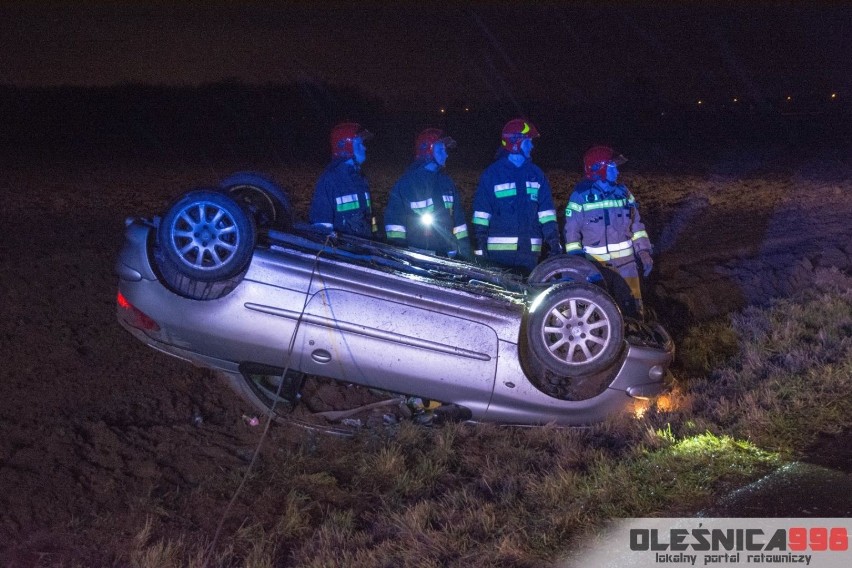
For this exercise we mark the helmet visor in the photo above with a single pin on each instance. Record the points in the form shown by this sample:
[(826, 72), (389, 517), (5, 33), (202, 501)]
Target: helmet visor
[(448, 142), (616, 160)]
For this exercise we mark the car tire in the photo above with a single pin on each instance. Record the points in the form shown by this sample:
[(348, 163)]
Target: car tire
[(187, 287), (575, 329), (565, 268), (204, 244), (262, 197)]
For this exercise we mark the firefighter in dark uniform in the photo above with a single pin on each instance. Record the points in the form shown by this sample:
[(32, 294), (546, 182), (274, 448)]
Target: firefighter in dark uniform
[(514, 219), (341, 200), (424, 209), (602, 222)]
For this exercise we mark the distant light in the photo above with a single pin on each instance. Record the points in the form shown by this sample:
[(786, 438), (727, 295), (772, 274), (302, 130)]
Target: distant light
[(443, 110), (789, 99), (467, 109), (700, 102), (736, 100), (833, 95)]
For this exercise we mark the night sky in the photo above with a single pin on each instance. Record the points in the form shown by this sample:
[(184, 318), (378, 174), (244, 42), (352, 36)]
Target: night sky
[(436, 53)]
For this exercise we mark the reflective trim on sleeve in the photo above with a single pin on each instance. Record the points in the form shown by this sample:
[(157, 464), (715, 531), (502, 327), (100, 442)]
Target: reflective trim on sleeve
[(535, 245), (459, 230), (502, 243), (481, 218), (348, 202), (395, 231), (374, 225), (324, 225), (640, 234), (573, 207), (573, 246), (546, 216), (448, 201), (505, 190)]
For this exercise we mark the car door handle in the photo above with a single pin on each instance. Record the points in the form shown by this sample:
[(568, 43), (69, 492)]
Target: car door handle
[(321, 356)]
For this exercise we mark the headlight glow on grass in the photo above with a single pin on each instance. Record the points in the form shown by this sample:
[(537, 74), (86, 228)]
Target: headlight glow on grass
[(664, 403)]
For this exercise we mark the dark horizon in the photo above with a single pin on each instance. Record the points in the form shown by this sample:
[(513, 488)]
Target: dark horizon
[(437, 54), (290, 123)]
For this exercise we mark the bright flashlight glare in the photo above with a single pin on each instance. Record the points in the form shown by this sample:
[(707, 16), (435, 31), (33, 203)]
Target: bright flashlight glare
[(427, 219)]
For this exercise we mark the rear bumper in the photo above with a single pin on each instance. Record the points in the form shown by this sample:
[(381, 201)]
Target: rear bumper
[(648, 390), (196, 359)]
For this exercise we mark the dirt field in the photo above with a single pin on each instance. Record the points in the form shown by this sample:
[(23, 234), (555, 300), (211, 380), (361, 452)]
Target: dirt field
[(99, 431)]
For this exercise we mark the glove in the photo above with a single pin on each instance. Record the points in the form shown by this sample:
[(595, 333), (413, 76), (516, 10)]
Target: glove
[(554, 249), (463, 250), (647, 261), (480, 259)]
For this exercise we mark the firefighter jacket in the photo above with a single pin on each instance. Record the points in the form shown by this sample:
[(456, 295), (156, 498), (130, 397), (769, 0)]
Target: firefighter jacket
[(425, 211), (602, 220), (514, 215), (341, 201)]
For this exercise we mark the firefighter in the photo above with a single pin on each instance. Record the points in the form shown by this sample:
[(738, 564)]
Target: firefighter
[(602, 222), (341, 200), (514, 215), (424, 208)]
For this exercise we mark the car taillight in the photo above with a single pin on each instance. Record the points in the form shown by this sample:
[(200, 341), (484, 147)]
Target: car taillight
[(135, 316)]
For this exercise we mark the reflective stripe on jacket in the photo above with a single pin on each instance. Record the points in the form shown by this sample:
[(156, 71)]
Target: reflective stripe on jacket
[(419, 192), (514, 214), (341, 201), (602, 219)]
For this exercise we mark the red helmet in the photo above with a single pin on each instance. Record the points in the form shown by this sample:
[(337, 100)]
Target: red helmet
[(342, 136), (426, 140), (597, 158), (515, 132)]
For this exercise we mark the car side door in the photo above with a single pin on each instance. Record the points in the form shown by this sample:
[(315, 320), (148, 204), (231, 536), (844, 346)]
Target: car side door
[(414, 343)]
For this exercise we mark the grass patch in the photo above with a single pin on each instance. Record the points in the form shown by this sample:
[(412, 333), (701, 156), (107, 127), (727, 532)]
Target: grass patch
[(756, 389)]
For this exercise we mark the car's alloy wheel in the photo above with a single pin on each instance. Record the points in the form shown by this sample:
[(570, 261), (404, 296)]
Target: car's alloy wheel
[(207, 236), (575, 329)]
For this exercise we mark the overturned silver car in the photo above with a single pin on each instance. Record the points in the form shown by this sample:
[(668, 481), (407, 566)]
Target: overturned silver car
[(226, 280)]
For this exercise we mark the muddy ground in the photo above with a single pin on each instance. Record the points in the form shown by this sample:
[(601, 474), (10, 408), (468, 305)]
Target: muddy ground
[(99, 431)]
